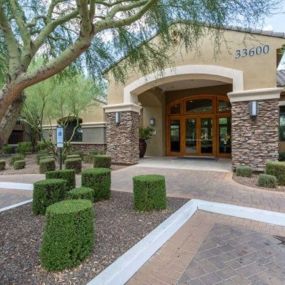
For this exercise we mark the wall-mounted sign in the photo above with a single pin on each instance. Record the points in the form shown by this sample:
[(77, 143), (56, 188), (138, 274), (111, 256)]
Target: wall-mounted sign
[(254, 51), (59, 137)]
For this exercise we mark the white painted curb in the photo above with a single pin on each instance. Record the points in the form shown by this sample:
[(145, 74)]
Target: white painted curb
[(17, 186), (15, 205)]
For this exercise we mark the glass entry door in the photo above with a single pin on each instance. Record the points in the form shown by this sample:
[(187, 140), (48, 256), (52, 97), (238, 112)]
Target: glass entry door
[(191, 134), (175, 136)]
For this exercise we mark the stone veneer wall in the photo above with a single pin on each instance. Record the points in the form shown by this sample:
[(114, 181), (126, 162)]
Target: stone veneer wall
[(255, 141), (123, 140), (84, 147)]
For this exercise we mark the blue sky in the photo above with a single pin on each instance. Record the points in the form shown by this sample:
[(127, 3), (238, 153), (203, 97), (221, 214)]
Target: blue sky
[(277, 21)]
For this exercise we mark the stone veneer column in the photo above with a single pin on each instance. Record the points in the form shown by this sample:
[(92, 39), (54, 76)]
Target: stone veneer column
[(255, 141), (123, 139)]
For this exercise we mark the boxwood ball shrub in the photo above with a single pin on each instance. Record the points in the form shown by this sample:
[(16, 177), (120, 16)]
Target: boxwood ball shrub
[(68, 234), (16, 157), (266, 180), (99, 179), (47, 192), (19, 164), (149, 192), (81, 193), (74, 163), (47, 164), (67, 174), (244, 171), (2, 164), (102, 161), (277, 169)]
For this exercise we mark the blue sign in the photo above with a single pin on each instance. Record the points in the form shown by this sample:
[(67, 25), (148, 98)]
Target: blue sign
[(59, 136)]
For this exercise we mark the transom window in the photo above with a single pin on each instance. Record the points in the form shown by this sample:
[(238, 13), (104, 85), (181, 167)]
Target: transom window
[(199, 105)]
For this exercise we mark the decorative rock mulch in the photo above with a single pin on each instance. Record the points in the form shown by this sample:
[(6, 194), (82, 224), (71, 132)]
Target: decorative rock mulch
[(118, 227)]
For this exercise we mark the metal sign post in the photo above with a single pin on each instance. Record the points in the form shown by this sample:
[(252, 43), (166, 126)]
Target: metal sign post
[(60, 143)]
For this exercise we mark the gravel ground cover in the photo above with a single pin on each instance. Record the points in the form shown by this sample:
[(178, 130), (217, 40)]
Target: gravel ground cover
[(118, 227)]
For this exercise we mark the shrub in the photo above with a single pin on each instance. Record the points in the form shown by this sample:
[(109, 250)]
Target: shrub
[(277, 169), (244, 171), (42, 155), (74, 163), (19, 164), (67, 174), (99, 179), (149, 192), (43, 145), (281, 156), (88, 158), (7, 149), (68, 235), (102, 161), (81, 193), (16, 157), (47, 164), (24, 147), (47, 192), (266, 180), (2, 164)]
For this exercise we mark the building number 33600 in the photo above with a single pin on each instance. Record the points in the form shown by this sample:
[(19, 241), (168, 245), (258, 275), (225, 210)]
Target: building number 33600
[(245, 52)]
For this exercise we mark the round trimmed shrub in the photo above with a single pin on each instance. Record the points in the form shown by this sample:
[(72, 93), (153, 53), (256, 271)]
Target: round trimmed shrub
[(19, 164), (16, 157), (102, 161), (244, 171), (47, 164), (99, 179), (47, 192), (68, 235), (81, 193), (74, 163), (149, 192), (277, 169), (2, 164), (67, 174), (266, 180)]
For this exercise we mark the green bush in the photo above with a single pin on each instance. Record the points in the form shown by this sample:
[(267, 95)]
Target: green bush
[(24, 147), (266, 180), (16, 157), (19, 164), (43, 145), (81, 193), (149, 192), (74, 163), (2, 164), (68, 235), (47, 192), (8, 149), (102, 161), (281, 156), (42, 155), (277, 169), (99, 179), (67, 174), (47, 164), (244, 171), (88, 158)]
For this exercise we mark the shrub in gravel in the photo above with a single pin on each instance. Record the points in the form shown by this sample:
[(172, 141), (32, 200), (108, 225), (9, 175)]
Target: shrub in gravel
[(47, 192), (266, 180), (101, 161), (277, 169), (67, 174), (149, 192), (7, 149), (24, 147), (68, 235), (42, 155), (99, 179), (81, 193), (244, 171), (47, 164), (74, 163), (2, 164), (16, 157), (19, 164)]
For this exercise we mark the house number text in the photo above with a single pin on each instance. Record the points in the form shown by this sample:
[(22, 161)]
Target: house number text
[(245, 52)]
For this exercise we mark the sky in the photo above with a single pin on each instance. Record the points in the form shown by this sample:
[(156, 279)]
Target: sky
[(276, 22)]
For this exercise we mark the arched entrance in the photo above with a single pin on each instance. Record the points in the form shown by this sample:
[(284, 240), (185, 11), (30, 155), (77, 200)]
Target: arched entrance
[(199, 125)]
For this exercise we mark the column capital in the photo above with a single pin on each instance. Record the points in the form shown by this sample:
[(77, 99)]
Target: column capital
[(129, 107)]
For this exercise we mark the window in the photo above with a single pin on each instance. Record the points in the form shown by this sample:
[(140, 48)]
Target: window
[(224, 106), (72, 129), (282, 124), (200, 105)]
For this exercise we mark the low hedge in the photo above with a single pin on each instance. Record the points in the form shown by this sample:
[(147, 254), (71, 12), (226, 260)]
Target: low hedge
[(24, 147), (68, 234), (101, 161), (244, 171), (266, 180), (2, 165), (74, 163), (67, 174), (99, 179), (81, 193), (19, 164), (8, 149), (47, 164), (47, 192), (16, 157), (149, 192), (277, 169)]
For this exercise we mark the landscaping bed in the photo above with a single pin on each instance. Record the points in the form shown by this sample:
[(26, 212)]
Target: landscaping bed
[(117, 228)]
